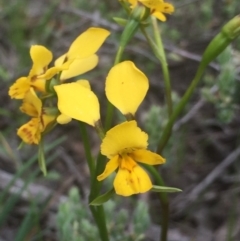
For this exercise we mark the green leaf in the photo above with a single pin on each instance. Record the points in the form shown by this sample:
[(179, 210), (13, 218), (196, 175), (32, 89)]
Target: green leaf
[(102, 198), (121, 21), (41, 158), (156, 188)]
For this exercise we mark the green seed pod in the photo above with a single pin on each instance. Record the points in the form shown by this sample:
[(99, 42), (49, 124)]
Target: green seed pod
[(229, 32)]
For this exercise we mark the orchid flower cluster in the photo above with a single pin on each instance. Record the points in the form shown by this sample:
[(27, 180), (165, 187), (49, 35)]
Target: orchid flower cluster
[(48, 100), (126, 87), (37, 88)]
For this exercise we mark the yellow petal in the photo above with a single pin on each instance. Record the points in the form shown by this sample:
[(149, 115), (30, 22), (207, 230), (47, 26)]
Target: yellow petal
[(127, 183), (78, 102), (126, 87), (159, 16), (87, 43), (84, 83), (39, 84), (123, 183), (151, 3), (60, 60), (63, 119), (41, 58), (123, 137), (165, 8), (19, 88), (32, 105), (147, 157), (143, 179), (127, 163), (54, 70), (80, 66), (133, 3), (46, 120), (111, 166), (30, 132), (158, 5)]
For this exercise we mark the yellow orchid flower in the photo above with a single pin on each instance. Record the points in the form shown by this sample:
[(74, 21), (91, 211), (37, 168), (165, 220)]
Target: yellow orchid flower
[(157, 7), (77, 101), (78, 66), (126, 87), (125, 145), (32, 106), (39, 73), (41, 58), (82, 51), (81, 54), (79, 59)]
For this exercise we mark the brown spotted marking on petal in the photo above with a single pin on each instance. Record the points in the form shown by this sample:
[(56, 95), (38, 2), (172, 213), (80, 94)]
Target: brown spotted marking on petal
[(28, 135), (34, 78), (65, 59), (41, 118)]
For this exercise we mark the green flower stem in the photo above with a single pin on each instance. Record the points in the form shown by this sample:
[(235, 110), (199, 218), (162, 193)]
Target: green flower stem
[(96, 185), (109, 116), (119, 54), (86, 144), (229, 32), (99, 216), (166, 76), (97, 212), (99, 129), (158, 50), (163, 197), (159, 181), (168, 129)]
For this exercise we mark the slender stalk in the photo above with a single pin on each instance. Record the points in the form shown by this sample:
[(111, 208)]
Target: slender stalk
[(99, 216), (158, 50), (97, 212), (96, 185), (86, 144), (168, 129), (109, 116), (119, 55), (99, 129), (228, 33), (160, 54), (163, 197), (166, 76)]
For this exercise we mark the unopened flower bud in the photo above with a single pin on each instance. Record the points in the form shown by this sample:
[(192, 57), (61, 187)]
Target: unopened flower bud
[(140, 13), (229, 32)]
